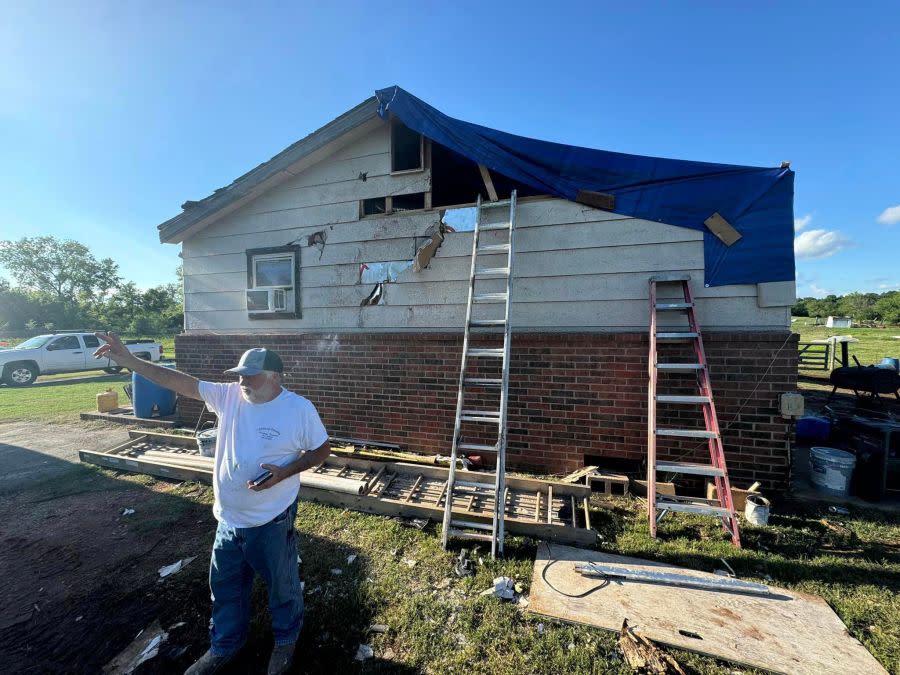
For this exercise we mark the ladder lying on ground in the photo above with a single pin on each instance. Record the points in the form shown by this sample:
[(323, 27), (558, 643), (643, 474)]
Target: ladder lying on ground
[(496, 351), (658, 504)]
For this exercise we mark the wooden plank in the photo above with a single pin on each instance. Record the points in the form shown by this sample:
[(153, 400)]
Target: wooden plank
[(537, 506), (441, 495), (788, 632), (574, 512), (587, 514), (488, 183), (550, 505), (415, 487), (724, 230)]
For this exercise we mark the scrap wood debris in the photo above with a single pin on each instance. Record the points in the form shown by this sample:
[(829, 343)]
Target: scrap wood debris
[(642, 656)]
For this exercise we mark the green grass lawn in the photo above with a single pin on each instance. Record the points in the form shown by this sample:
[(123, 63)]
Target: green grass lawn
[(58, 400), (439, 623)]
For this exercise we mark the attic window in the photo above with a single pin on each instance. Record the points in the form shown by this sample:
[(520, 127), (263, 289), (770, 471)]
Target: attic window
[(407, 148), (373, 207), (413, 202)]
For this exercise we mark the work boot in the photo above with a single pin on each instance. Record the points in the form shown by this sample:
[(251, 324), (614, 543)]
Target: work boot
[(281, 659), (208, 664)]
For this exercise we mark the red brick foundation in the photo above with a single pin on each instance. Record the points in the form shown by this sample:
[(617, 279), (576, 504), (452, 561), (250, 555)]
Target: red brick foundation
[(571, 395)]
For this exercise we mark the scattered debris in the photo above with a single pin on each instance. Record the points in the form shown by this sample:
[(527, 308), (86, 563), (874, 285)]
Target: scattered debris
[(363, 653), (388, 654), (337, 571), (351, 558), (728, 571), (144, 647), (127, 511), (540, 629), (378, 628), (464, 566), (503, 588), (642, 656), (175, 567), (418, 523), (409, 562), (840, 510), (78, 618)]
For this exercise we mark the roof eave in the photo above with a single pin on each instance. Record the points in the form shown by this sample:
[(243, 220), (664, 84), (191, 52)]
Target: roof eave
[(264, 176)]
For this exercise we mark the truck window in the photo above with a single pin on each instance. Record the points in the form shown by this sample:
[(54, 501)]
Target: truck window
[(34, 343), (66, 342), (90, 341)]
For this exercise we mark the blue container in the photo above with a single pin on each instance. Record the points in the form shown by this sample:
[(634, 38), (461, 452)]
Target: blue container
[(812, 429), (147, 395)]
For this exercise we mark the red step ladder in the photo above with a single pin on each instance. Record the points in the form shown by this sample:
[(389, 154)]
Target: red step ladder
[(659, 505)]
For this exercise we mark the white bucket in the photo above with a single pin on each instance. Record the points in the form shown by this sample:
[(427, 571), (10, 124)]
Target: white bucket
[(206, 441), (831, 470), (757, 510)]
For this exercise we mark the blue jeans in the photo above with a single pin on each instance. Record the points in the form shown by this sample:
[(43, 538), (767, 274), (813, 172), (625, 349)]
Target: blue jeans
[(269, 550)]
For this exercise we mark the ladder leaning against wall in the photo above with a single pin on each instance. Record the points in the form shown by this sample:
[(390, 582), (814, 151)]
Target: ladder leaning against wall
[(494, 338), (659, 505)]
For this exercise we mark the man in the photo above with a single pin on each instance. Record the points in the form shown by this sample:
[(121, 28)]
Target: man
[(267, 436)]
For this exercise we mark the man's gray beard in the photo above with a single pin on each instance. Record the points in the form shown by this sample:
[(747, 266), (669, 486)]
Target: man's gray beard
[(253, 396)]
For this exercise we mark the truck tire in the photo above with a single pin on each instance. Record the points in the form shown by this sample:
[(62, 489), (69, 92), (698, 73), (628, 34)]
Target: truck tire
[(143, 355), (20, 374), (114, 370)]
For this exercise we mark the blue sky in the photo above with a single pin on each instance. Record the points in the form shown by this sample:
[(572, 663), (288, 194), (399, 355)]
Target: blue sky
[(114, 113)]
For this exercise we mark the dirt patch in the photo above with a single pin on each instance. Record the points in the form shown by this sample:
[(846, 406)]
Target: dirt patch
[(80, 579)]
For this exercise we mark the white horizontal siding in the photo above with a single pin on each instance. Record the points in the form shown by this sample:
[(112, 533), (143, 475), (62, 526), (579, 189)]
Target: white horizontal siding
[(576, 267)]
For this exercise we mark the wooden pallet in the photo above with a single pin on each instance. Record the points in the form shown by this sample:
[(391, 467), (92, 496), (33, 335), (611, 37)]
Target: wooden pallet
[(533, 507)]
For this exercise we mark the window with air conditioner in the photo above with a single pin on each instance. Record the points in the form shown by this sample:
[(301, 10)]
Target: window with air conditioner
[(273, 276)]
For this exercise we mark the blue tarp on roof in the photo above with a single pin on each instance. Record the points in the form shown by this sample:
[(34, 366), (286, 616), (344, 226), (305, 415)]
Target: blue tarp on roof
[(758, 202)]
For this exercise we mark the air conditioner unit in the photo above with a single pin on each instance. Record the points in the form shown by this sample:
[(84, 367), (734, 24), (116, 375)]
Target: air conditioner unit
[(269, 299)]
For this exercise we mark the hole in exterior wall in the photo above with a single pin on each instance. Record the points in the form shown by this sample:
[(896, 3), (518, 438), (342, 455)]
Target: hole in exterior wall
[(406, 148), (374, 206), (411, 202)]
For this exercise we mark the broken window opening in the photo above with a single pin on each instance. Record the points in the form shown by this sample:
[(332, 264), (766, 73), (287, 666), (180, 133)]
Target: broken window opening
[(457, 180), (407, 148), (373, 207), (413, 202)]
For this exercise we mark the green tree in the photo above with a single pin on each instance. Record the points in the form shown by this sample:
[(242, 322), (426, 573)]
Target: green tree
[(887, 307), (63, 268)]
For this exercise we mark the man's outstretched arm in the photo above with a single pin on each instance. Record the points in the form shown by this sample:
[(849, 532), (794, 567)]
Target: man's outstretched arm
[(180, 383)]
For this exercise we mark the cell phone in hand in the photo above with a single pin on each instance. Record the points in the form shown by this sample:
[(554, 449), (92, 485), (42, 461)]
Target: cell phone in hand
[(261, 478)]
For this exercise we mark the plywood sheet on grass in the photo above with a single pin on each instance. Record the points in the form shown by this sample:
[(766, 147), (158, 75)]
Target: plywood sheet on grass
[(789, 632)]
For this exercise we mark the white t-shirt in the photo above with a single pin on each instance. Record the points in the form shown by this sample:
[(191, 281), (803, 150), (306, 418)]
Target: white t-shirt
[(251, 434)]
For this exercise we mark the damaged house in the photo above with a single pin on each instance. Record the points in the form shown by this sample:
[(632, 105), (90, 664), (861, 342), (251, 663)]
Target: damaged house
[(349, 253)]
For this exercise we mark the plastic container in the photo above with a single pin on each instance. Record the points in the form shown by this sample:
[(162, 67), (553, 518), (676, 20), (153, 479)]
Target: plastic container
[(147, 396), (832, 470), (811, 429), (756, 510), (107, 400), (206, 441)]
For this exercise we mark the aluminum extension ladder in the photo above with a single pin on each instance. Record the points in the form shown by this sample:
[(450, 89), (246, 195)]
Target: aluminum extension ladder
[(487, 329), (659, 505)]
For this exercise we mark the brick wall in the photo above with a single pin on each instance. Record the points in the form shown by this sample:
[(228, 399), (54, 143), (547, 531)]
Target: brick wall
[(571, 395)]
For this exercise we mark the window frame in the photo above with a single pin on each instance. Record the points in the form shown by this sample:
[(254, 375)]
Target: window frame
[(422, 165), (273, 252)]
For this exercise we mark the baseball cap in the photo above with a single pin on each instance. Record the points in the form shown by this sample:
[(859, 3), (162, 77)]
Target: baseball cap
[(255, 361)]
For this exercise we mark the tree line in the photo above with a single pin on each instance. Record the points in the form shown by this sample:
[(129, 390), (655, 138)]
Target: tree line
[(61, 285), (884, 307)]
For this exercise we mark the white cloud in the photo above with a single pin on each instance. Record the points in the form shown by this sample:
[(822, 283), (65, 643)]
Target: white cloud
[(800, 223), (889, 287), (890, 216), (819, 243), (818, 291)]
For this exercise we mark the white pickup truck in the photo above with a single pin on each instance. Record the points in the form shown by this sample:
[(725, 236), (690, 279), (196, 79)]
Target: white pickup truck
[(63, 353)]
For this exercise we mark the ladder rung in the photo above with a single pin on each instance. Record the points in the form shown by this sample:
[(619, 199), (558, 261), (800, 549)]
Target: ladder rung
[(493, 248), (673, 306), (689, 335), (663, 504), (462, 534), (483, 381), (476, 447), (496, 205), (670, 277), (680, 367), (687, 433), (480, 351), (471, 524), (473, 418), (479, 486), (483, 413), (683, 399), (493, 226), (492, 272), (689, 468), (490, 297), (486, 323)]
